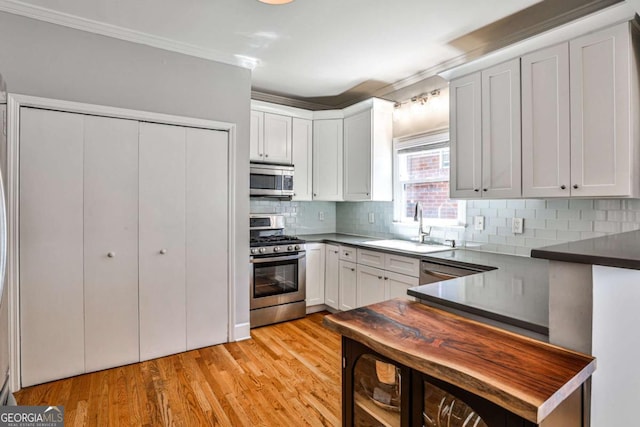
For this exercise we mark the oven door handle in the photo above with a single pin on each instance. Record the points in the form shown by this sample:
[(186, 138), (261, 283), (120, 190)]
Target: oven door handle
[(300, 255)]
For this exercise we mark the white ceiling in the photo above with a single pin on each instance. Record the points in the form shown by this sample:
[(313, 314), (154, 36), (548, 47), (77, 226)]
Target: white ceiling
[(308, 48)]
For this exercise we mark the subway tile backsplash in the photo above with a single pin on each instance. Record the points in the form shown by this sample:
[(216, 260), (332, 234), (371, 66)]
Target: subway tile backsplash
[(546, 222)]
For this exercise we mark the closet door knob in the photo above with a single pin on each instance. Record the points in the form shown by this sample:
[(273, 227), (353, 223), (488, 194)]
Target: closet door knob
[(477, 190), (563, 187), (163, 251), (111, 254), (575, 186), (484, 189)]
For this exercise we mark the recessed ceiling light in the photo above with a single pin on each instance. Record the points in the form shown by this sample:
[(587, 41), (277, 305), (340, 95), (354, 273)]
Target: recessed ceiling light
[(275, 1)]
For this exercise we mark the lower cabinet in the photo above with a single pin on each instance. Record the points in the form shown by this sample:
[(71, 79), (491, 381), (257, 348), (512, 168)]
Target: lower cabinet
[(397, 285), (332, 276), (315, 276), (371, 285), (348, 285), (377, 391)]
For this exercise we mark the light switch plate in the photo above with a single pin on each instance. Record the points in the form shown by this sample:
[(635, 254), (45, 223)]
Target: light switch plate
[(478, 222), (372, 218), (517, 225)]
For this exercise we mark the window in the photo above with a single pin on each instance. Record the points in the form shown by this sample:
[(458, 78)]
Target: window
[(422, 174)]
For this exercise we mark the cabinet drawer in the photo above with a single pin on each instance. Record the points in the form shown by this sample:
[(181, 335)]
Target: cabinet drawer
[(348, 253), (371, 258), (402, 264)]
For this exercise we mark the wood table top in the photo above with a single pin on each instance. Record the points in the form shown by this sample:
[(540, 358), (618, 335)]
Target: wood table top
[(527, 377)]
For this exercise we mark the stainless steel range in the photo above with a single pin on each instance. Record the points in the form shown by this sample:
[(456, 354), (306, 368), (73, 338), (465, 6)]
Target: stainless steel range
[(278, 268)]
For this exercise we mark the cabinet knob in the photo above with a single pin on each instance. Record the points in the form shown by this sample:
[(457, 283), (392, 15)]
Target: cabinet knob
[(386, 278), (367, 194), (266, 155), (163, 251), (260, 154), (335, 252), (315, 195), (575, 186), (379, 277), (353, 269), (563, 187), (484, 189), (111, 254), (477, 190)]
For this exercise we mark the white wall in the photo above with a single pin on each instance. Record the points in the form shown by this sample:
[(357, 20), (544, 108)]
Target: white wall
[(47, 60)]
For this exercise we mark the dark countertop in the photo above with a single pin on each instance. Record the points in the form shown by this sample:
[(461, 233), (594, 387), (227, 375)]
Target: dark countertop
[(616, 250), (516, 292)]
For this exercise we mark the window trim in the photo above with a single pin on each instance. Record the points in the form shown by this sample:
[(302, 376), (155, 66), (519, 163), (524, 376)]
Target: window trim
[(435, 138)]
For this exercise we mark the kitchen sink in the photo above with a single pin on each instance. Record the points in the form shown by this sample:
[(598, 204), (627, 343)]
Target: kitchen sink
[(406, 245)]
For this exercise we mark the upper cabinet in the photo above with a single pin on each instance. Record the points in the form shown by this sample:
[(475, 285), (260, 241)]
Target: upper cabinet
[(302, 159), (368, 134), (579, 125), (327, 159), (485, 133), (270, 139)]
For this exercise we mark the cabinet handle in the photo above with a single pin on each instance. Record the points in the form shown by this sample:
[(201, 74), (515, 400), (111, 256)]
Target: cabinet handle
[(575, 186), (563, 187), (476, 190), (111, 254), (163, 251)]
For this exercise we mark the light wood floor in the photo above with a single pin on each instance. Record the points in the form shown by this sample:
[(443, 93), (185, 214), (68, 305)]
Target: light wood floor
[(288, 374)]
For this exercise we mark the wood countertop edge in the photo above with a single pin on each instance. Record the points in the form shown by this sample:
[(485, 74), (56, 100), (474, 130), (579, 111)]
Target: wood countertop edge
[(514, 400)]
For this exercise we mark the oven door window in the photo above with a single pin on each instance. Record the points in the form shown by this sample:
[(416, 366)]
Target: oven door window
[(275, 278), (265, 182)]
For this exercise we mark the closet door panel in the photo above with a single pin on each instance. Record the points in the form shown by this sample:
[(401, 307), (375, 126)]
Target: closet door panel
[(207, 251), (162, 290), (110, 242)]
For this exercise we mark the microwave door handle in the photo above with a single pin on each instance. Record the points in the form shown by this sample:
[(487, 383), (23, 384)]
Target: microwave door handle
[(279, 258)]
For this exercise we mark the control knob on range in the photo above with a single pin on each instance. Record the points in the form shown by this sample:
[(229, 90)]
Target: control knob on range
[(289, 248), (261, 250), (276, 249), (297, 248), (253, 250)]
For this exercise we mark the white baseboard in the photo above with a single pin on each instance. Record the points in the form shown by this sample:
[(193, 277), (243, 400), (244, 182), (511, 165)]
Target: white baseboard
[(316, 308), (241, 332)]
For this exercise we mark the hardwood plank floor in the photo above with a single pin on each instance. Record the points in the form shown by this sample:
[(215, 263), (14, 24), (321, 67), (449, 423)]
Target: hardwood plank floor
[(287, 374)]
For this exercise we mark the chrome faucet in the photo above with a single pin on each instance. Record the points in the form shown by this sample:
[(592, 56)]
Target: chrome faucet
[(417, 216)]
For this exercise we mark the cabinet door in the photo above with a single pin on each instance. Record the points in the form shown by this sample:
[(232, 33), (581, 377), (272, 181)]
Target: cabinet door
[(348, 285), (371, 286), (302, 159), (357, 156), (327, 159), (397, 285), (315, 273), (332, 276), (207, 237), (162, 240), (371, 258), (256, 137), (51, 242), (277, 138), (600, 113), (501, 137), (110, 242), (466, 136), (545, 123)]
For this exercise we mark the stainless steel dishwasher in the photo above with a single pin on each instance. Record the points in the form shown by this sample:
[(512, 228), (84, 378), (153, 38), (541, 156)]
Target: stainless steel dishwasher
[(431, 272)]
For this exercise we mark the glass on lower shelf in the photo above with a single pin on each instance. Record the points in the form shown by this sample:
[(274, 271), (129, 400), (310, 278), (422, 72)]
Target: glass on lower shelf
[(442, 409), (377, 393)]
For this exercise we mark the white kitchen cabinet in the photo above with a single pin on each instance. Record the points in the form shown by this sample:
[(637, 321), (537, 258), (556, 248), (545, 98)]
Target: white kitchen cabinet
[(348, 285), (162, 288), (371, 258), (327, 159), (270, 139), (465, 130), (207, 237), (485, 133), (397, 285), (51, 245), (315, 276), (604, 113), (546, 123), (110, 242), (371, 285), (302, 159), (332, 276), (368, 134), (501, 135), (402, 264)]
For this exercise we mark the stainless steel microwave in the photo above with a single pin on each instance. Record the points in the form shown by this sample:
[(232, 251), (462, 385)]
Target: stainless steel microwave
[(270, 180)]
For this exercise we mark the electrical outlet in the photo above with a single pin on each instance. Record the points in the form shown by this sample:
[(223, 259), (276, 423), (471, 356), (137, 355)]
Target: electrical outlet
[(372, 218), (478, 222), (517, 225), (321, 216)]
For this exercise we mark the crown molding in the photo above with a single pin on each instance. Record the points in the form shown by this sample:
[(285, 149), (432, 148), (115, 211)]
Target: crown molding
[(291, 102), (17, 7)]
